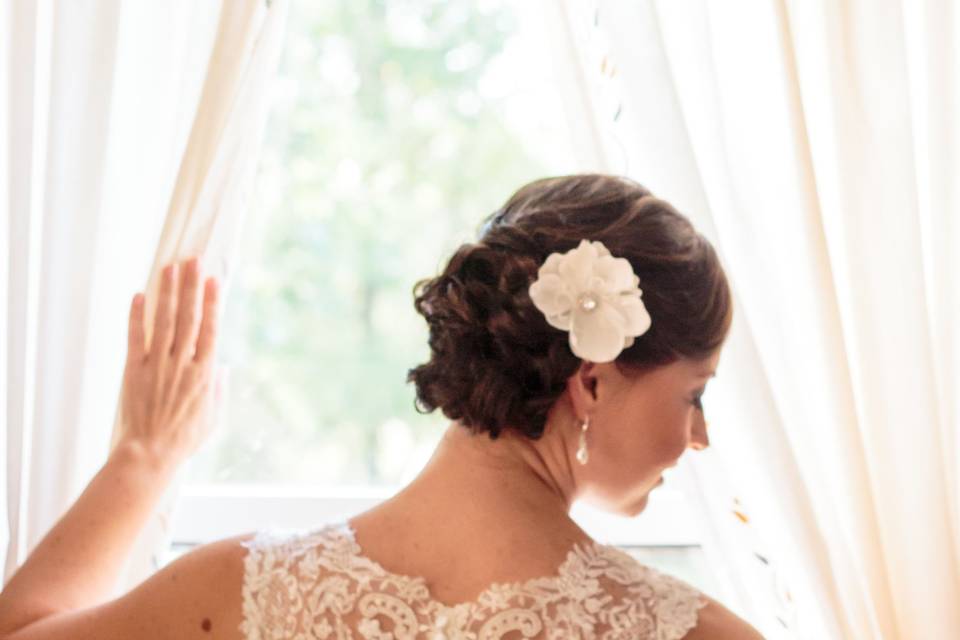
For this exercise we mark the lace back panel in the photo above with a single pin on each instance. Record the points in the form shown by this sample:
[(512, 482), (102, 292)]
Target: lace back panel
[(318, 585)]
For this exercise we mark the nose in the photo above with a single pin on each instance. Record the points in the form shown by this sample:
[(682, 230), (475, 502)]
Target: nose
[(698, 435)]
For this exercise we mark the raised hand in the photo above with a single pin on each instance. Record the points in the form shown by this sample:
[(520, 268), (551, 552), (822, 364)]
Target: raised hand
[(170, 394)]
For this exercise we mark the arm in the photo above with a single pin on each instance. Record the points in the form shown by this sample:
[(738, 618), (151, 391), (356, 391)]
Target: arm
[(165, 415), (198, 596), (77, 562)]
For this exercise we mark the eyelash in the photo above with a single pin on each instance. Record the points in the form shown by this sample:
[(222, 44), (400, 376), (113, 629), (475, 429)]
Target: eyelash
[(697, 402)]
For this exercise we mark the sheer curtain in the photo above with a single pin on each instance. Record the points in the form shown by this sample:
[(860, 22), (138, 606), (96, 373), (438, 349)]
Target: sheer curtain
[(133, 130), (814, 142)]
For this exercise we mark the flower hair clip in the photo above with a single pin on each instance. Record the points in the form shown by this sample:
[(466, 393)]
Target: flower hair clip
[(595, 297)]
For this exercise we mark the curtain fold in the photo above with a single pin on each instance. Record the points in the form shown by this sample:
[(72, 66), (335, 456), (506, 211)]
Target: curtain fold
[(56, 91), (20, 239), (210, 196), (134, 130), (813, 143)]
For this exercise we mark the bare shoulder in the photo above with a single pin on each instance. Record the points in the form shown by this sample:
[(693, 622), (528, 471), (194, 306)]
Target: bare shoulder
[(716, 622), (198, 595)]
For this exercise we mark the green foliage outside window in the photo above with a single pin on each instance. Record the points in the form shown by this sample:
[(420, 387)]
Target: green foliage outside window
[(396, 127)]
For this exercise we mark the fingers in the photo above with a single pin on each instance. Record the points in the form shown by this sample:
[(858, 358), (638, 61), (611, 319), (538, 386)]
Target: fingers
[(136, 349), (186, 315), (206, 341), (176, 318), (163, 322)]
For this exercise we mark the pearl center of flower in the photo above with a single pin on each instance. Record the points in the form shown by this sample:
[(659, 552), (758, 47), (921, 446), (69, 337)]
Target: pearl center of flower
[(587, 302)]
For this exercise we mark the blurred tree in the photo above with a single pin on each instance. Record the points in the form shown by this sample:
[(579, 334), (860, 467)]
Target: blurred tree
[(383, 153)]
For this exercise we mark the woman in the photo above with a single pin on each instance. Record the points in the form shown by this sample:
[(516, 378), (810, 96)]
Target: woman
[(564, 380)]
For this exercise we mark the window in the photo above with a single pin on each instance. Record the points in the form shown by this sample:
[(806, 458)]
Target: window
[(397, 127)]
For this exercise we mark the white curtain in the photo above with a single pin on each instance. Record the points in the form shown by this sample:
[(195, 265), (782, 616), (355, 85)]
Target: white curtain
[(814, 142), (132, 131)]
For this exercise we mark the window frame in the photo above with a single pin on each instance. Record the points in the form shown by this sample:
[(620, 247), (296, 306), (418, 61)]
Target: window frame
[(206, 512)]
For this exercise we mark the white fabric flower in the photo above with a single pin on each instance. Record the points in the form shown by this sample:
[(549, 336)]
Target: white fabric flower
[(595, 297)]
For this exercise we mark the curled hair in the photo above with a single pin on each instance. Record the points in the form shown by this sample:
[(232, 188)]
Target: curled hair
[(496, 363)]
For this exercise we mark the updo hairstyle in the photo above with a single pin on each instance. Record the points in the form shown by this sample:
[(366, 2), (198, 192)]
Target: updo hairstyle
[(496, 363)]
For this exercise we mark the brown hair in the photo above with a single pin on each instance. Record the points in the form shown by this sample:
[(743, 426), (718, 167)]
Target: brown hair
[(495, 361)]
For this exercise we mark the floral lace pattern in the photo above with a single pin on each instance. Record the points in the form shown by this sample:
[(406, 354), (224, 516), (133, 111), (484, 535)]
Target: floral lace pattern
[(317, 585)]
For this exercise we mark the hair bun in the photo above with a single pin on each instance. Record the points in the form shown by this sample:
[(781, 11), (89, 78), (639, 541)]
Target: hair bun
[(496, 362)]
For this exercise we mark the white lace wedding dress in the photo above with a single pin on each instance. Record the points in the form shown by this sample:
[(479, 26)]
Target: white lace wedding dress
[(318, 584)]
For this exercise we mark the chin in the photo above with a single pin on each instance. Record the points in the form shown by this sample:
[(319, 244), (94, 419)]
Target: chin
[(635, 508), (626, 504)]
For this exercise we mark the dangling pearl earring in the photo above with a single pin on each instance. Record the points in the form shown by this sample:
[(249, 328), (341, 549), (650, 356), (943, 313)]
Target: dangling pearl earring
[(582, 455)]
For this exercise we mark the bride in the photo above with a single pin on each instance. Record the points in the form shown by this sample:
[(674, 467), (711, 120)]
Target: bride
[(570, 345)]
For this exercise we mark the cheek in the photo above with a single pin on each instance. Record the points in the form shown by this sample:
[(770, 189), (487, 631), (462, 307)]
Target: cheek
[(675, 439), (647, 437)]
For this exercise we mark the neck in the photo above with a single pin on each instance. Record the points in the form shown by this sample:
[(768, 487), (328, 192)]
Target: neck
[(510, 477)]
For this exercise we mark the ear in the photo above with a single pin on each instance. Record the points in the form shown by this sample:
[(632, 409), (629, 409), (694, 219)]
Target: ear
[(582, 388)]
